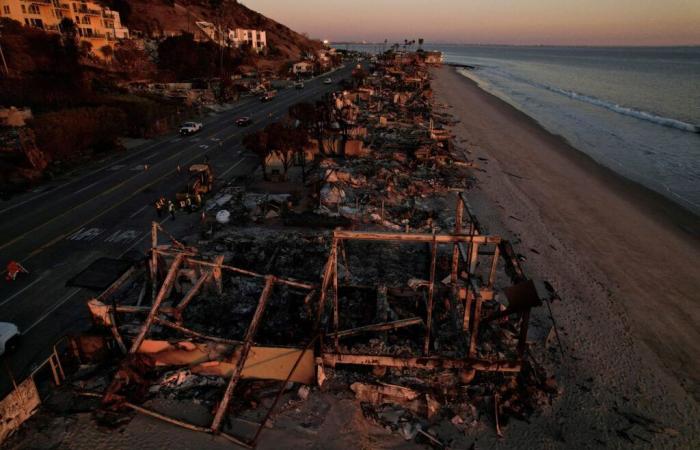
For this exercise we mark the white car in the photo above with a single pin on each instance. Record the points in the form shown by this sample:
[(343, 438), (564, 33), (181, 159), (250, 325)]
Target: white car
[(9, 337), (188, 128), (327, 81)]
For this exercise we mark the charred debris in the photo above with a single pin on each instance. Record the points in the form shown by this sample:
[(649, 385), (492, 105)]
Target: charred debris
[(372, 278)]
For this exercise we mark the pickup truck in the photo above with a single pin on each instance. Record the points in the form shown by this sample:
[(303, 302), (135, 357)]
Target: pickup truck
[(188, 128), (9, 337), (268, 95)]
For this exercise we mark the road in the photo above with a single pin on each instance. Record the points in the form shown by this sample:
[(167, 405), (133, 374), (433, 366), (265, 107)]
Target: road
[(59, 229)]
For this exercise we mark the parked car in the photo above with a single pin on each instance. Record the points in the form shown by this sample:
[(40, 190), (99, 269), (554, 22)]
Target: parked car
[(299, 85), (188, 128), (244, 121), (268, 95), (328, 81), (9, 337)]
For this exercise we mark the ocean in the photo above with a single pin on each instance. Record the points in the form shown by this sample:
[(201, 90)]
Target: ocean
[(635, 110)]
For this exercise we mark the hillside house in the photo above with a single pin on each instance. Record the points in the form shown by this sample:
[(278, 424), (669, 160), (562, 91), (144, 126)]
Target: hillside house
[(98, 25), (303, 68), (256, 39)]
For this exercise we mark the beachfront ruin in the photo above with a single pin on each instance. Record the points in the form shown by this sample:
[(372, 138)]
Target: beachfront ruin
[(371, 276)]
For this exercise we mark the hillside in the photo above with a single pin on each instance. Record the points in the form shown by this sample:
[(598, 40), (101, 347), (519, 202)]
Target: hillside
[(165, 18)]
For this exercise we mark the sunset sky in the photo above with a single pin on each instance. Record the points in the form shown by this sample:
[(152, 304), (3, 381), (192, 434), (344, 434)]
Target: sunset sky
[(565, 22)]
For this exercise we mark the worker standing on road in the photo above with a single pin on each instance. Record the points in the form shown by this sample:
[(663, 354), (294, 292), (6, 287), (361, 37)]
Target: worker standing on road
[(171, 209), (13, 269), (179, 169), (188, 204), (160, 206)]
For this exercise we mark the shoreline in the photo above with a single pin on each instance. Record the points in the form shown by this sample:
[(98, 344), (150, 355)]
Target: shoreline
[(656, 205), (621, 258)]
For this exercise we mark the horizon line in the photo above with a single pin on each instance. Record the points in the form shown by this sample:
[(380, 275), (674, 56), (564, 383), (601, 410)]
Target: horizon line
[(389, 43)]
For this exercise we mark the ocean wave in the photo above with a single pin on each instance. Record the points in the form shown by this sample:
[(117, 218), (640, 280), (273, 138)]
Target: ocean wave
[(627, 111), (614, 107)]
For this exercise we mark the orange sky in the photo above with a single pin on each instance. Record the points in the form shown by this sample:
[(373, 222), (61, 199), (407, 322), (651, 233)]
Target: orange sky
[(565, 22)]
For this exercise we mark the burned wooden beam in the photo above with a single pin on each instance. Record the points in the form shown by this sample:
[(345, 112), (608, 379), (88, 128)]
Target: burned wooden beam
[(250, 273), (378, 327), (455, 249), (191, 333), (154, 261), (494, 266), (336, 312), (475, 319), (175, 242), (325, 281), (194, 290), (410, 237), (431, 289), (245, 350), (428, 363), (169, 279)]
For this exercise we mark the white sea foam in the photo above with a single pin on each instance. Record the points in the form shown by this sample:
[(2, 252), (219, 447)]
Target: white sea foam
[(636, 113), (614, 107)]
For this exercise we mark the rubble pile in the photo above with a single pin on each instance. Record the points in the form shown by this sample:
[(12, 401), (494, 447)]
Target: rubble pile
[(405, 304), (400, 179)]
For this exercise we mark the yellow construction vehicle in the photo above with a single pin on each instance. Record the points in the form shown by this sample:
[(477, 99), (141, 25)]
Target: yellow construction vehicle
[(201, 179), (201, 182)]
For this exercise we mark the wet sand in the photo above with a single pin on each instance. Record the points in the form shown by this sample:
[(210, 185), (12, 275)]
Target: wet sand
[(625, 261)]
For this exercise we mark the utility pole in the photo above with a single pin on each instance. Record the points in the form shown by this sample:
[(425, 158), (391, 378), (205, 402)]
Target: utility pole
[(2, 56)]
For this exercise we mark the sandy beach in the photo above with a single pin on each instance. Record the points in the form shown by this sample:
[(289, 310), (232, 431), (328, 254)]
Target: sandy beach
[(623, 260)]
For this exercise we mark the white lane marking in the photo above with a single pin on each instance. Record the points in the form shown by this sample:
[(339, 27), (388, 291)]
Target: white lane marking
[(84, 234), (138, 211), (87, 187), (204, 146), (119, 236), (72, 294), (43, 275), (117, 167), (51, 310)]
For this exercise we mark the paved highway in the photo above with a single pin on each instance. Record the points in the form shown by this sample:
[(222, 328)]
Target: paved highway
[(59, 229)]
